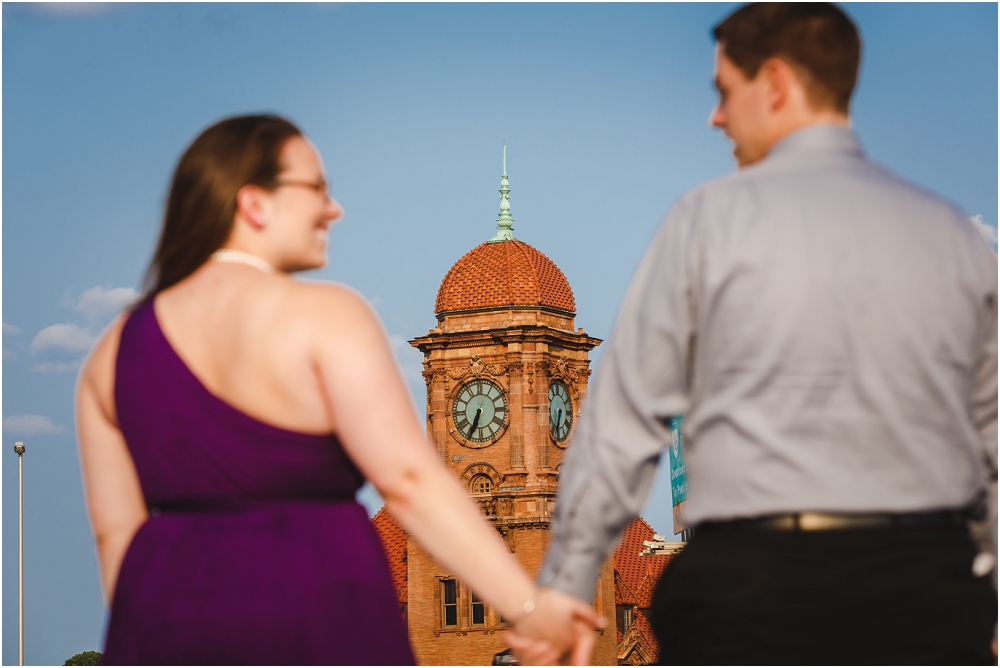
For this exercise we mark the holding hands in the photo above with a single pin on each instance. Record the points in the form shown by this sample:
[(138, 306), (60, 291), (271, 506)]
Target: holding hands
[(560, 626)]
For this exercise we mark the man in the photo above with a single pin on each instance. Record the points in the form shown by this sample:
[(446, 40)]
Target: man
[(830, 334)]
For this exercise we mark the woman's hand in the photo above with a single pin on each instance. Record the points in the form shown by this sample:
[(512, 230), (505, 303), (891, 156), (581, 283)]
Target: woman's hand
[(561, 626)]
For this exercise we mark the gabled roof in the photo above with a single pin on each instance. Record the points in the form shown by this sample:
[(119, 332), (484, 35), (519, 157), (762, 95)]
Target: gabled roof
[(394, 542), (648, 639), (636, 576), (637, 646)]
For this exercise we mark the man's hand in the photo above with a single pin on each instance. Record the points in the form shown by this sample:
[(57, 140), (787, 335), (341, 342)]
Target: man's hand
[(560, 626)]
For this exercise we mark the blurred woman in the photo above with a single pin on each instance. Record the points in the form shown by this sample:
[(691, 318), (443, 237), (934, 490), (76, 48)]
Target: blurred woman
[(226, 422)]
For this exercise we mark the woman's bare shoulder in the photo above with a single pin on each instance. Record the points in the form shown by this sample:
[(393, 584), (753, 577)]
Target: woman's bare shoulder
[(329, 303), (105, 351), (98, 371)]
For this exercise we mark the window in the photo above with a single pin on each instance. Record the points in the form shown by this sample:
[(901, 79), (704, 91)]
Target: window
[(481, 484), (449, 602), (624, 617), (478, 609)]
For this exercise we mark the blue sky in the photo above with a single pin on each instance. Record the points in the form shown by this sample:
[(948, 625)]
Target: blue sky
[(603, 108)]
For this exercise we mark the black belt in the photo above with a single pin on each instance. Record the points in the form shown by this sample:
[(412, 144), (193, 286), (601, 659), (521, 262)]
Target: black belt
[(845, 521)]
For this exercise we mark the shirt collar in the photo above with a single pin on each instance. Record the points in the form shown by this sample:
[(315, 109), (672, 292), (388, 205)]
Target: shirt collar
[(826, 138)]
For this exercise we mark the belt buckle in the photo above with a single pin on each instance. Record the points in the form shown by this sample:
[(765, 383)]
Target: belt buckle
[(829, 522), (819, 522)]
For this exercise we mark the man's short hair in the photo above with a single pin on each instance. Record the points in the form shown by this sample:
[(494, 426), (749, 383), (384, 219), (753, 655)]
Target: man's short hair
[(817, 38)]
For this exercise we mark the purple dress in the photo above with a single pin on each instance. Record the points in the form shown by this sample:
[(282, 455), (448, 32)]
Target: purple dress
[(255, 550)]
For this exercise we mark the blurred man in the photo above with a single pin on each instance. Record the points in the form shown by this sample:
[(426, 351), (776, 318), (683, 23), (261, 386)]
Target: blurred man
[(829, 332)]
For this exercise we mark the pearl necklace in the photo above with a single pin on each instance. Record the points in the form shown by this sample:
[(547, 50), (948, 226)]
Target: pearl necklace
[(233, 256)]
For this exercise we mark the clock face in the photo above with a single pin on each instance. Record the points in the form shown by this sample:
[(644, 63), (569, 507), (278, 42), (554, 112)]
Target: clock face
[(480, 411), (560, 411)]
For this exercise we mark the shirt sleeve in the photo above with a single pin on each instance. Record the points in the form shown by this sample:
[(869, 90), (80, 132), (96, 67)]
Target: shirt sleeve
[(642, 381), (985, 417)]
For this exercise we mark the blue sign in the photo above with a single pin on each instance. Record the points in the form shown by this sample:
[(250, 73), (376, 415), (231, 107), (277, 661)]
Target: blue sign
[(678, 471)]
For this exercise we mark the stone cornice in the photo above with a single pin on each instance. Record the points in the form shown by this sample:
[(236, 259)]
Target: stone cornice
[(520, 334), (534, 522)]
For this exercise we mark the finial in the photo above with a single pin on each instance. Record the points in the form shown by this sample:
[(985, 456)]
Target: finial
[(505, 224)]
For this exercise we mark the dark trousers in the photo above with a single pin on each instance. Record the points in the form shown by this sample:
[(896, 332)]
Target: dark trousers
[(739, 595)]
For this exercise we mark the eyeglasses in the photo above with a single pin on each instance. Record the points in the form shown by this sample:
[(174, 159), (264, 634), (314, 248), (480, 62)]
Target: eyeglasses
[(320, 187)]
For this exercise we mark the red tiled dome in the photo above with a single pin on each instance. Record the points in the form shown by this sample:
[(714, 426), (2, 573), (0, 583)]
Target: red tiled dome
[(507, 273)]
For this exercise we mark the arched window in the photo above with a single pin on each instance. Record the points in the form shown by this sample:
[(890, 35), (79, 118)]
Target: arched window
[(481, 484)]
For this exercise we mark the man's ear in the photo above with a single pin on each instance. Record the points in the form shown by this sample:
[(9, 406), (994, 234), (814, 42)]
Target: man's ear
[(250, 205), (778, 77)]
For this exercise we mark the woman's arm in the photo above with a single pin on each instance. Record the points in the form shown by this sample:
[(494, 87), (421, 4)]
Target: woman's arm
[(111, 487), (379, 430)]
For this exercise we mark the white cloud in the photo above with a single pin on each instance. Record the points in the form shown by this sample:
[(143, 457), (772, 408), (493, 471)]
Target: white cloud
[(10, 329), (95, 303), (64, 336), (988, 231), (98, 301), (30, 425), (56, 367)]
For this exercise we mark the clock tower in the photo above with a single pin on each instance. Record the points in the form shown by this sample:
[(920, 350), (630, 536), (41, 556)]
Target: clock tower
[(506, 372)]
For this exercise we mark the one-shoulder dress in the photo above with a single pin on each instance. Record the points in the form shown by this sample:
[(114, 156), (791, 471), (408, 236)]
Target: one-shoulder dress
[(255, 550)]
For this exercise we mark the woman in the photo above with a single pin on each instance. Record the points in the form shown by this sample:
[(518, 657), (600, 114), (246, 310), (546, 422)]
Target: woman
[(226, 422)]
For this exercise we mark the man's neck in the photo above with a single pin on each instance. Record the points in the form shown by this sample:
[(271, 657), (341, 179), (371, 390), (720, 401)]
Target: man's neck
[(786, 126), (814, 117)]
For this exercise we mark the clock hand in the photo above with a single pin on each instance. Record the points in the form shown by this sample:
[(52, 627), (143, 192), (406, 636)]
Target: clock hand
[(475, 421), (558, 418)]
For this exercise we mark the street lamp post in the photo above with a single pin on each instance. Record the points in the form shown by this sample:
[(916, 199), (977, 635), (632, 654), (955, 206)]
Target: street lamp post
[(19, 449)]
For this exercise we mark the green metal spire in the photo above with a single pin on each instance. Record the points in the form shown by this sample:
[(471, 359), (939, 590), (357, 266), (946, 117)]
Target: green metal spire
[(505, 224)]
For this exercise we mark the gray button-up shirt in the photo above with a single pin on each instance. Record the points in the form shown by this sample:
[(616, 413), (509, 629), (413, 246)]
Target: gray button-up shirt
[(828, 331)]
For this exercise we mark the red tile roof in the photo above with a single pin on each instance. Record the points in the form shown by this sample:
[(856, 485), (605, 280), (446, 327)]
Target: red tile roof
[(637, 575), (507, 273), (394, 543), (651, 646)]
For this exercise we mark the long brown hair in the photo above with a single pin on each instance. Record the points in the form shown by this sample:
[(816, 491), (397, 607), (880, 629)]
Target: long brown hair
[(201, 205)]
